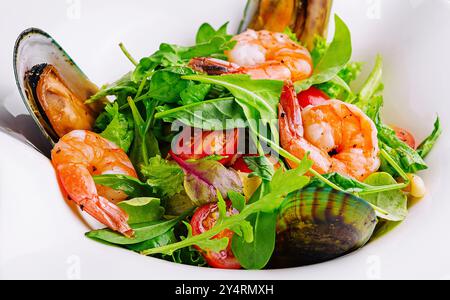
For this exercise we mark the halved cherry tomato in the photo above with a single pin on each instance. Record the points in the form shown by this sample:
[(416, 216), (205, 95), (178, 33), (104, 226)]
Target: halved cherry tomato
[(313, 96), (405, 136), (197, 144), (204, 219)]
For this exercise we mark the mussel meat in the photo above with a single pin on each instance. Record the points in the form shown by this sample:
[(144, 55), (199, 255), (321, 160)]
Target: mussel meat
[(317, 225), (52, 87), (306, 18)]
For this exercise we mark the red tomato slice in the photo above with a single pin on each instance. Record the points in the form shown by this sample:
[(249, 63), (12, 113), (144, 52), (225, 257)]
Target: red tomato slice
[(204, 219), (313, 96), (405, 136), (195, 144)]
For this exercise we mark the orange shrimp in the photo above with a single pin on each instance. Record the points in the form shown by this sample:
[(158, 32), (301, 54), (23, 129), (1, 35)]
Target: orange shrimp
[(262, 55), (338, 136), (270, 55), (77, 157)]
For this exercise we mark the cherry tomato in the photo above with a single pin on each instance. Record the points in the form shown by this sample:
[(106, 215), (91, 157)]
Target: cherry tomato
[(405, 136), (313, 96), (204, 219), (197, 144)]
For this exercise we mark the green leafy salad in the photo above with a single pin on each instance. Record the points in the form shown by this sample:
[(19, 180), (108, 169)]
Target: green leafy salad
[(218, 187)]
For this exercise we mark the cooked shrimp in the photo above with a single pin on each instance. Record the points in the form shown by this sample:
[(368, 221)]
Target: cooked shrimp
[(77, 157), (338, 136), (269, 55)]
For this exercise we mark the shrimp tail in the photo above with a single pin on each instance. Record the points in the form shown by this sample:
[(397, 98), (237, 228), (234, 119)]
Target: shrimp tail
[(290, 116), (80, 188), (109, 214), (212, 66)]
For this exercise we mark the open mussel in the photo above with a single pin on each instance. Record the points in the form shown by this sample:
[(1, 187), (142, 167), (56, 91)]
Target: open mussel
[(306, 18), (52, 87), (317, 225)]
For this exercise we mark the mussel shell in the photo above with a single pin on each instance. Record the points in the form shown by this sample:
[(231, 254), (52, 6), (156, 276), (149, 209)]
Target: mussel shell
[(317, 225), (306, 18), (34, 51)]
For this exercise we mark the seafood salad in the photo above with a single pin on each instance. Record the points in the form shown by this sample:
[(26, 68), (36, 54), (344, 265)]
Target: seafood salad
[(252, 150)]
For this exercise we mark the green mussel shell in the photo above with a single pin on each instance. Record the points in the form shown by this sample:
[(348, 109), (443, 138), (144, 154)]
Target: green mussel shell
[(317, 225)]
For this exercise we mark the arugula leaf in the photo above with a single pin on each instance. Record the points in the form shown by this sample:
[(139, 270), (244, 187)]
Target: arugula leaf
[(335, 58), (142, 210), (203, 179), (259, 99), (211, 44), (124, 86), (237, 200), (256, 254), (208, 115), (116, 127), (338, 87), (293, 181), (348, 184), (165, 177), (260, 166), (427, 145), (187, 256), (371, 102), (145, 145), (213, 245), (395, 203), (372, 87), (131, 186), (143, 232), (406, 157)]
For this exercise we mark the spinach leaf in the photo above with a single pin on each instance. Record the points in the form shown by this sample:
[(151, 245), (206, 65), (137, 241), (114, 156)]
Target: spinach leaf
[(205, 177), (145, 144), (142, 210), (335, 58), (143, 232), (159, 241), (165, 177), (194, 93), (116, 127), (208, 115), (395, 203), (131, 186), (428, 144), (166, 84)]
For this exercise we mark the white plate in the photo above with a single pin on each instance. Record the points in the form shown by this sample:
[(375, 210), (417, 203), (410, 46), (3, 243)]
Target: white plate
[(42, 237)]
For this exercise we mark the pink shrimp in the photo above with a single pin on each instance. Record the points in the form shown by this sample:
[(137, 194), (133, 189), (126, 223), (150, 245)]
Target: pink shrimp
[(338, 136), (77, 157)]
